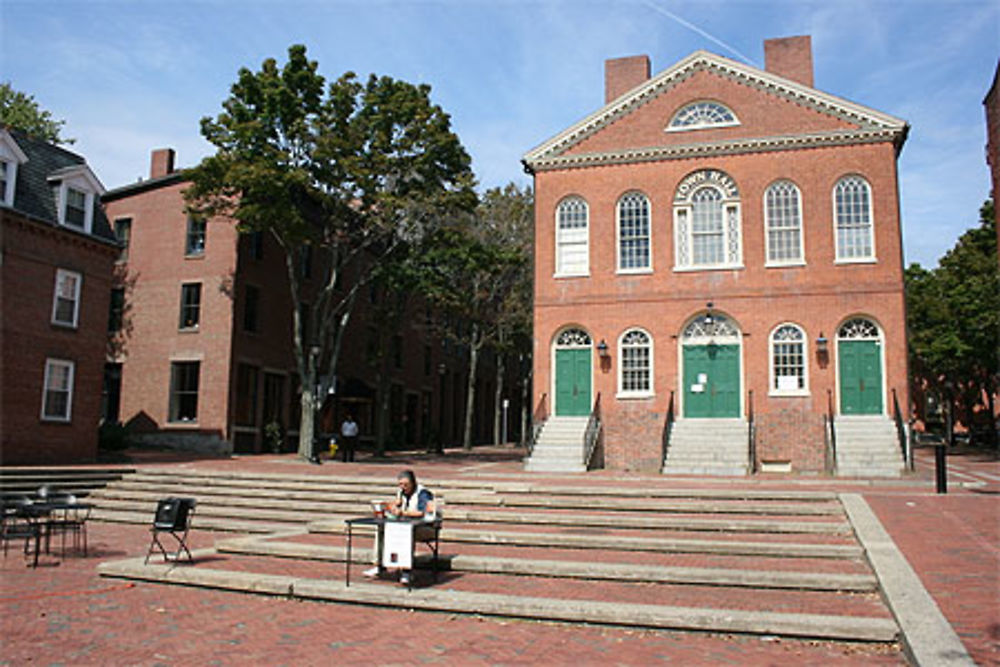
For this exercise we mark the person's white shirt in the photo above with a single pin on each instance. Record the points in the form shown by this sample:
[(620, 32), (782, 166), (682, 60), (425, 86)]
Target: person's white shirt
[(349, 428)]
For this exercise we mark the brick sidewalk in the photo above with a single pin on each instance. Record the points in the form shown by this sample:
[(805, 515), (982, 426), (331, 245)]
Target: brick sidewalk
[(64, 613)]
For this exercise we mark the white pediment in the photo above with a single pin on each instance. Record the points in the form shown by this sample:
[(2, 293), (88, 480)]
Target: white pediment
[(868, 124)]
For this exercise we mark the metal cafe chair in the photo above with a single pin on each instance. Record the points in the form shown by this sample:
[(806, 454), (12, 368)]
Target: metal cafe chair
[(17, 523), (173, 517), (67, 516)]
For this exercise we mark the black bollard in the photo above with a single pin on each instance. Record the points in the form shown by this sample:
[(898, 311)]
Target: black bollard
[(940, 468)]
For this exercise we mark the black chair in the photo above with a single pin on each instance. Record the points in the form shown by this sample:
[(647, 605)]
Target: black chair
[(17, 523), (173, 517), (67, 517)]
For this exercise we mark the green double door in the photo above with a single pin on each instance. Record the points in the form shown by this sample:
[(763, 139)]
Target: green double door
[(573, 382), (711, 381), (860, 377)]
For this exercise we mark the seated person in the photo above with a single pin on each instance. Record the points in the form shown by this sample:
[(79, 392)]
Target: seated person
[(412, 501)]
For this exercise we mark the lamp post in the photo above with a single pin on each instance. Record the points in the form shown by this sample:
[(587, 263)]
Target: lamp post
[(314, 352)]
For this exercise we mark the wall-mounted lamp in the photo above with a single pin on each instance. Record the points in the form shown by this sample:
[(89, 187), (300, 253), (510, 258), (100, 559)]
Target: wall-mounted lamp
[(602, 349), (822, 350), (709, 318)]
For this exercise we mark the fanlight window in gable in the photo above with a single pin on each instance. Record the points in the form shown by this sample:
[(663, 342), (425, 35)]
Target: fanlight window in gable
[(702, 114)]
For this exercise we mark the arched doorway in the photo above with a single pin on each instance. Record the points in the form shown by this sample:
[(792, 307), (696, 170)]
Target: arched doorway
[(572, 373), (710, 356), (859, 365)]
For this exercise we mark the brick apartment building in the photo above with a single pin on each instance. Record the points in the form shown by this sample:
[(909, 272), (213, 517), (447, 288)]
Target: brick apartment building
[(992, 104), (718, 258), (206, 361), (57, 253)]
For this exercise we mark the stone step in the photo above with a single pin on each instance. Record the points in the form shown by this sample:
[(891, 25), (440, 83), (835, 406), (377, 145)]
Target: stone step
[(583, 570), (317, 503), (580, 611)]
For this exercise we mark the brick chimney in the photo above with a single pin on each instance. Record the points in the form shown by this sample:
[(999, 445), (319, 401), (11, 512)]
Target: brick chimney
[(790, 57), (161, 162), (623, 74)]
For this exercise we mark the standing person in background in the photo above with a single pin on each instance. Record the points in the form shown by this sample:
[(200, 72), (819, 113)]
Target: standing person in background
[(349, 433)]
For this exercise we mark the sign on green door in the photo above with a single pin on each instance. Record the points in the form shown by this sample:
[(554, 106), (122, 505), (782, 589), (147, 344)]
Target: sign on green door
[(860, 377), (573, 382), (711, 381)]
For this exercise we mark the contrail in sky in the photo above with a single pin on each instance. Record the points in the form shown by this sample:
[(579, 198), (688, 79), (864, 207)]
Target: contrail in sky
[(690, 26)]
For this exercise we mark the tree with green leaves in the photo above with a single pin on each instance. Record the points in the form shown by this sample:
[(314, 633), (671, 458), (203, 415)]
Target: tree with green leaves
[(953, 316), (21, 112), (506, 217), (470, 275), (354, 171)]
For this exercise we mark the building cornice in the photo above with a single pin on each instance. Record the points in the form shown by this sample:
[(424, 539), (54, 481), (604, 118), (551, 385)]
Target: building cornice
[(868, 120), (715, 148)]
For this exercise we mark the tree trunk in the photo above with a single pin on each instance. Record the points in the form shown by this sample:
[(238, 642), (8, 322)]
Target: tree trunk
[(470, 397), (381, 408), (525, 406), (307, 419), (498, 412)]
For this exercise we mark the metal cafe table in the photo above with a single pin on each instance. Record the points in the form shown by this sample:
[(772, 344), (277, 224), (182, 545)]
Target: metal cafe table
[(380, 523)]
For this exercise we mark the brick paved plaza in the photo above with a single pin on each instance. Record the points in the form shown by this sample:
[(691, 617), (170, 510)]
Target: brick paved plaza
[(63, 612)]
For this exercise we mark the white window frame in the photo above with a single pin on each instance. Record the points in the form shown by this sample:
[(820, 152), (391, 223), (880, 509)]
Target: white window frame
[(867, 259), (577, 238), (732, 221), (88, 211), (50, 364), (773, 390), (632, 393), (671, 127), (795, 261), (12, 156), (9, 168), (648, 268), (62, 274)]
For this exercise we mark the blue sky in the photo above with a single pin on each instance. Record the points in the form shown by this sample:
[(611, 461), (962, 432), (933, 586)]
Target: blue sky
[(132, 75)]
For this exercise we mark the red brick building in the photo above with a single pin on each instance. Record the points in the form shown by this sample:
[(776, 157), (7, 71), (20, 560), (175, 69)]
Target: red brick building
[(55, 277), (206, 362), (718, 258), (992, 104)]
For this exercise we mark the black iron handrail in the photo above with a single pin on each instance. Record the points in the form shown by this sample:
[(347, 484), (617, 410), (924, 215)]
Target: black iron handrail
[(901, 432), (751, 434), (831, 453), (668, 426), (538, 418), (592, 435)]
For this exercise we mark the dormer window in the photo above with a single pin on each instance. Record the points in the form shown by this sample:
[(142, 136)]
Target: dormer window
[(4, 179), (700, 115), (75, 214), (75, 189), (11, 156)]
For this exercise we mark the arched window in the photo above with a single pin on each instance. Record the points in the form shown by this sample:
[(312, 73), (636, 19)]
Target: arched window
[(707, 222), (572, 238), (635, 350), (858, 328), (783, 215), (573, 338), (788, 360), (702, 114), (633, 232), (853, 219)]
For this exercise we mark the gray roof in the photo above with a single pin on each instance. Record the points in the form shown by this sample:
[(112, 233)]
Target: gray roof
[(33, 194)]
